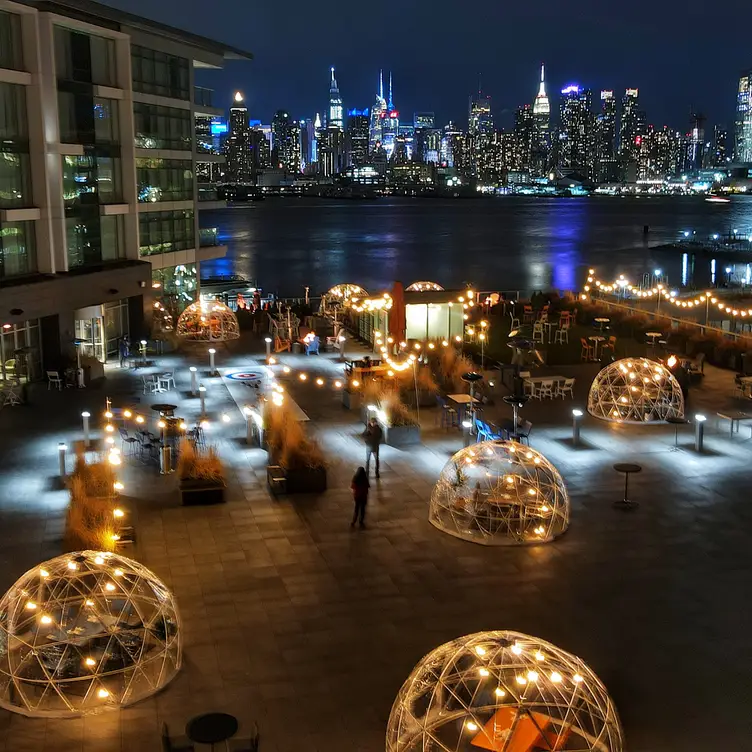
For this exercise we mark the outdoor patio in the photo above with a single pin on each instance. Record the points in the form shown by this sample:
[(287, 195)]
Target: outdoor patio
[(295, 621)]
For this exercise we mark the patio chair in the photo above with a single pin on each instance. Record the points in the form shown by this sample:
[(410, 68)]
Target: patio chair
[(312, 348), (538, 332), (53, 379), (168, 379), (528, 314), (609, 344), (515, 322), (128, 441), (566, 388), (562, 334), (168, 746), (588, 351), (546, 390), (448, 417)]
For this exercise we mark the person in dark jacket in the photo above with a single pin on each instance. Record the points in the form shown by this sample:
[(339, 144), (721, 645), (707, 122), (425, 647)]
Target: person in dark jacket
[(373, 436), (360, 486)]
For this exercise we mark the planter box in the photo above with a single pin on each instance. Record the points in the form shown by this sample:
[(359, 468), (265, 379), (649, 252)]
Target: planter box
[(351, 400), (298, 480), (398, 436), (199, 492)]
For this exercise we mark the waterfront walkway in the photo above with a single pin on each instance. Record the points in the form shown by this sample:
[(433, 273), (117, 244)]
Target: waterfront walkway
[(295, 621)]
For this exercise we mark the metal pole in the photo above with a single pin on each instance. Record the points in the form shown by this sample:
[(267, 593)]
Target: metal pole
[(61, 449), (202, 395), (87, 439), (165, 460), (212, 369), (194, 380), (466, 426), (268, 341), (699, 431)]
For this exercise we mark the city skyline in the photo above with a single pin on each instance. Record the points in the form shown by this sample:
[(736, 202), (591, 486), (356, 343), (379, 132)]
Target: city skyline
[(596, 48)]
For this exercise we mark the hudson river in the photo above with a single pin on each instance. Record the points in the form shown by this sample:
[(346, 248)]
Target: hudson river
[(503, 244)]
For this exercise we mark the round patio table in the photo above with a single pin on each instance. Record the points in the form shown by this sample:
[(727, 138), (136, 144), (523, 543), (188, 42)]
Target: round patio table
[(211, 728), (626, 468), (676, 422), (165, 409)]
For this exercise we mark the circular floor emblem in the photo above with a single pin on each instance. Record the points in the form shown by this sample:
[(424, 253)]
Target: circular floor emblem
[(246, 376)]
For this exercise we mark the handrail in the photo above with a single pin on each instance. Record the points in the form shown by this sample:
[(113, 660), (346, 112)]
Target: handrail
[(688, 322)]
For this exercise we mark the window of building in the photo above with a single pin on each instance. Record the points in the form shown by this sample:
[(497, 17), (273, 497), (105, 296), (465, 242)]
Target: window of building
[(27, 364), (84, 58), (14, 179), (90, 180), (159, 127), (10, 41), (85, 119), (158, 73), (93, 239), (163, 232), (164, 179), (17, 249), (13, 113)]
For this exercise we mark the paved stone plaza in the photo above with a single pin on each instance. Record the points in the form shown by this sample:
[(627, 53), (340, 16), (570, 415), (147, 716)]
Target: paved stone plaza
[(295, 621)]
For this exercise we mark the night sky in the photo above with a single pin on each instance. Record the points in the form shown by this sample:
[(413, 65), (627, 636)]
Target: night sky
[(681, 54)]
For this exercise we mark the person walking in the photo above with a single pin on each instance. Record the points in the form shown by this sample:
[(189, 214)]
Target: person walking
[(373, 436), (360, 486), (124, 350)]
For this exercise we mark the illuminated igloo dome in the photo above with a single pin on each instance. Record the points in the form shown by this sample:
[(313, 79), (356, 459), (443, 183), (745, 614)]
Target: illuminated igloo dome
[(506, 692), (424, 286), (208, 321), (635, 390), (500, 493), (86, 632)]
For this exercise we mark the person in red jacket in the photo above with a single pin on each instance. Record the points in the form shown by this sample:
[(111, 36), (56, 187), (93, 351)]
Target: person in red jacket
[(360, 486)]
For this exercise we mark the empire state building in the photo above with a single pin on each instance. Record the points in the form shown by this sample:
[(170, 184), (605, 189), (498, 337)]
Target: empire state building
[(541, 123)]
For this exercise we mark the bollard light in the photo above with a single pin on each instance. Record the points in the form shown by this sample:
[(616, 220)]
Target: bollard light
[(466, 426), (194, 386), (699, 432), (576, 415), (61, 450), (202, 396), (212, 369), (268, 341), (85, 417)]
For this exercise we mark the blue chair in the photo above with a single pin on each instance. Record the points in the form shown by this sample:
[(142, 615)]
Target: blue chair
[(313, 346)]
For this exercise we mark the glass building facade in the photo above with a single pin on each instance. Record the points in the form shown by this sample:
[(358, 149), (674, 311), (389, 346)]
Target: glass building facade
[(160, 127), (164, 232), (743, 124), (158, 73), (14, 148), (164, 179)]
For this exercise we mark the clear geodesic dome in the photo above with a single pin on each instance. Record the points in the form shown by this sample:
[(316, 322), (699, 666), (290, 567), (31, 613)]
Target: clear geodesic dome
[(500, 493), (86, 632), (506, 692), (424, 286), (208, 321), (635, 390)]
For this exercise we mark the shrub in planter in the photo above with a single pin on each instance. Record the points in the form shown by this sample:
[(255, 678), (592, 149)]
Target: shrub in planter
[(201, 476), (300, 457), (90, 520), (398, 423)]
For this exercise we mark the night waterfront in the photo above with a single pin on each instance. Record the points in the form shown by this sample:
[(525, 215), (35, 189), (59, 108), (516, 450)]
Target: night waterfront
[(506, 243)]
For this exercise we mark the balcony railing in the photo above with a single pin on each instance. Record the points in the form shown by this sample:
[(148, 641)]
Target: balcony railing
[(202, 96), (207, 237)]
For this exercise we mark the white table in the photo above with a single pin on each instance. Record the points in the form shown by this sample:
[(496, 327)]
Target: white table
[(462, 399), (596, 339)]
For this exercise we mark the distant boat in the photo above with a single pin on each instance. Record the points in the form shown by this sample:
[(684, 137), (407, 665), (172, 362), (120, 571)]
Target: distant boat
[(718, 199)]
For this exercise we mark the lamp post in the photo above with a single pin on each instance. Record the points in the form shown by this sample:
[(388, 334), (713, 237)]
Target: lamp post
[(699, 431), (268, 341), (61, 449), (212, 369), (202, 396), (194, 380), (576, 415), (87, 440), (142, 348)]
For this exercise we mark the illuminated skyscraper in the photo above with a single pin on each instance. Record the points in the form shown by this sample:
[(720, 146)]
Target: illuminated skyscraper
[(358, 124), (525, 133), (424, 120), (576, 146), (389, 124), (238, 143), (336, 113), (479, 134), (541, 146), (632, 126), (379, 107), (743, 125), (606, 170), (286, 142)]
